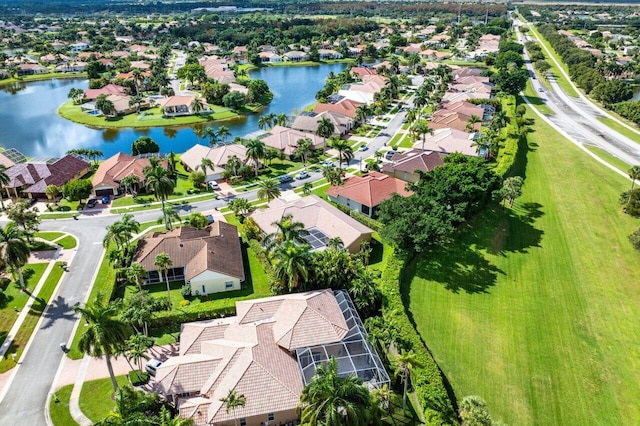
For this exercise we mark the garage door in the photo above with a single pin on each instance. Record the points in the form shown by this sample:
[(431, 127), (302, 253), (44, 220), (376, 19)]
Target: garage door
[(101, 192)]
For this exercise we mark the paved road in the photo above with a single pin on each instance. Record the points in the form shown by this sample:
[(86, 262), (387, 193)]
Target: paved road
[(579, 118), (24, 400)]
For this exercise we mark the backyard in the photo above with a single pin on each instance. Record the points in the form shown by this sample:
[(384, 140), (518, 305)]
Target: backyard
[(534, 308)]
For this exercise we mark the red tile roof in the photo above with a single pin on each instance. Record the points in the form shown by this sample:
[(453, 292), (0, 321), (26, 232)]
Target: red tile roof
[(370, 190)]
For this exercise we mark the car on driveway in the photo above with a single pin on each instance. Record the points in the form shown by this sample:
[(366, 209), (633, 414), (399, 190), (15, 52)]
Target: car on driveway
[(389, 154), (152, 366), (213, 185), (285, 178), (106, 199), (91, 202), (302, 175)]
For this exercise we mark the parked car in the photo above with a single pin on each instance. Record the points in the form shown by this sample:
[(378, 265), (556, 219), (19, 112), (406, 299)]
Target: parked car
[(106, 199), (364, 147), (540, 89), (328, 163), (302, 175), (285, 178), (91, 202), (152, 366), (389, 154), (213, 185)]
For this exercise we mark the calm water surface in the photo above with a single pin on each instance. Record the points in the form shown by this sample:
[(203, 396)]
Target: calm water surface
[(29, 122)]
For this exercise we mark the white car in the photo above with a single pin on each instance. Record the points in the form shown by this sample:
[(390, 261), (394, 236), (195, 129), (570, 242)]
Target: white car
[(213, 185), (540, 89), (152, 366), (363, 148)]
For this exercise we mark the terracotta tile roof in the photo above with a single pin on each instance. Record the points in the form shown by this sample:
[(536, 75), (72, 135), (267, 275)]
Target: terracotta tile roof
[(109, 89), (362, 71), (40, 175), (448, 141), (413, 160), (370, 190), (177, 101), (464, 107), (248, 357), (345, 107), (286, 139), (313, 212), (215, 248), (218, 156), (115, 168), (444, 118), (463, 96), (308, 123)]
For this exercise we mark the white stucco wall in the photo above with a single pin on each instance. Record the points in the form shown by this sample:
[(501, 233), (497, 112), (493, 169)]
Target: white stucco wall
[(213, 282)]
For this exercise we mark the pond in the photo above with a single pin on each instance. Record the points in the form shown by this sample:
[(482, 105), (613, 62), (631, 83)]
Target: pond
[(29, 122)]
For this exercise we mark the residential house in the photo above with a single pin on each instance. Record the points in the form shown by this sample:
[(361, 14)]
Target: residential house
[(240, 54), (320, 219), (328, 54), (267, 352), (308, 122), (364, 92), (444, 118), (465, 108), (343, 106), (360, 72), (295, 56), (71, 66), (177, 105), (269, 57), (192, 158), (448, 141), (106, 180), (464, 96), (79, 47), (209, 260), (32, 178), (365, 193), (405, 165), (31, 69), (109, 89), (286, 139)]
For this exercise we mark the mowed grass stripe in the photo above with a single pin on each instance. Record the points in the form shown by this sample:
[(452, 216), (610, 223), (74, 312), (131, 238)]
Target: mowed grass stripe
[(536, 309)]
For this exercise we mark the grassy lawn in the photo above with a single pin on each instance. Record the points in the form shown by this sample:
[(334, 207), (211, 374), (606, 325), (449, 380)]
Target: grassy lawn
[(96, 397), (16, 299), (43, 77), (620, 128), (49, 235), (534, 99), (149, 118), (613, 160), (67, 242), (60, 415), (533, 308), (30, 322)]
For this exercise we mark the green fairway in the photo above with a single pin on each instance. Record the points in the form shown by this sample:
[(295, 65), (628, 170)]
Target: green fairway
[(536, 309)]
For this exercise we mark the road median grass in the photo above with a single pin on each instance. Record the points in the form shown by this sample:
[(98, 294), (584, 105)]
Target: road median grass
[(532, 308), (59, 407), (31, 320), (613, 160)]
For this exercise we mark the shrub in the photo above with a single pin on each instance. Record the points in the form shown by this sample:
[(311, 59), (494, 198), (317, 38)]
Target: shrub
[(185, 291), (138, 378), (184, 303)]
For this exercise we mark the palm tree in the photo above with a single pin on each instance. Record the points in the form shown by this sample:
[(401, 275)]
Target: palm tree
[(268, 190), (158, 179), (407, 361), (169, 217), (634, 174), (224, 133), (263, 122), (205, 163), (325, 128), (120, 233), (422, 128), (291, 264), (255, 151), (281, 119), (345, 152), (330, 399), (233, 164), (136, 348), (287, 230), (136, 100), (501, 119), (213, 136), (130, 182), (303, 149), (14, 250), (4, 180), (361, 114), (232, 401), (105, 334), (197, 105), (162, 262), (471, 123), (307, 188), (137, 77), (136, 273)]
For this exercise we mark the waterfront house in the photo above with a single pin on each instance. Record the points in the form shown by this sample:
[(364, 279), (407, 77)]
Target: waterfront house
[(286, 139), (178, 105), (308, 122), (295, 56), (192, 159), (33, 177)]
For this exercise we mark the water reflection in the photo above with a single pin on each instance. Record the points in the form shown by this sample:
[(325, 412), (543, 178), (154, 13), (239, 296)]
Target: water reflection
[(29, 122)]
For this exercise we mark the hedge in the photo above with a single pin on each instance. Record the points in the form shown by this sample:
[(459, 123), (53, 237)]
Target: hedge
[(507, 155), (426, 380), (198, 312), (365, 220)]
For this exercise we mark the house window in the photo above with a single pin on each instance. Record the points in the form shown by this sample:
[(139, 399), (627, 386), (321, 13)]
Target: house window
[(204, 291), (365, 209), (271, 417), (243, 422), (228, 284)]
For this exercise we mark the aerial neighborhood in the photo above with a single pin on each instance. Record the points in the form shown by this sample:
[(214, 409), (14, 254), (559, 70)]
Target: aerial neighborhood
[(319, 213)]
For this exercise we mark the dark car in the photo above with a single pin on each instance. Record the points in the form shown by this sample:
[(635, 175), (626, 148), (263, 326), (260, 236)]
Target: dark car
[(106, 199), (91, 202), (285, 178)]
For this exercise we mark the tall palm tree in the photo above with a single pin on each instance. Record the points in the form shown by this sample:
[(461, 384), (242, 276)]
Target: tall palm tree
[(169, 217), (233, 164), (163, 262), (268, 190), (325, 128), (233, 401), (14, 250), (407, 361), (345, 152), (120, 233), (197, 105), (105, 334), (303, 149), (205, 163), (287, 229), (634, 174), (158, 179), (291, 264), (422, 128), (263, 122), (255, 151), (281, 119), (224, 133), (136, 273), (471, 123), (130, 183), (330, 399), (4, 180), (136, 349)]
